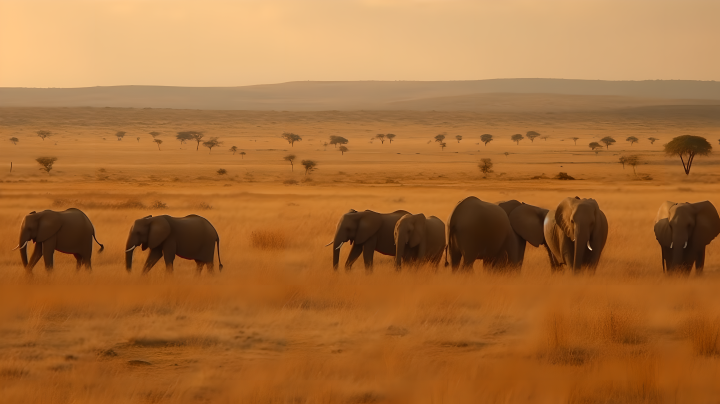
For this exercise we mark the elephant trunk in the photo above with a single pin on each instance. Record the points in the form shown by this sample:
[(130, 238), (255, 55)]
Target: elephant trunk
[(337, 243), (677, 249), (582, 239), (129, 249), (22, 245)]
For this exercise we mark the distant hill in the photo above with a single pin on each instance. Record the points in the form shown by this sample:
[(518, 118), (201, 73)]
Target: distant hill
[(479, 95)]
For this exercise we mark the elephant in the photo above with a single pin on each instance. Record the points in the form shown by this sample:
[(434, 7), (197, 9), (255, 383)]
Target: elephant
[(528, 222), (191, 237), (481, 230), (419, 239), (69, 231), (576, 233), (367, 232), (683, 230)]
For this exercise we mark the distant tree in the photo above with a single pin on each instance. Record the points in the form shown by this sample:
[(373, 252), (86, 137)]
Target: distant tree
[(441, 137), (46, 163), (652, 140), (687, 147), (242, 155), (594, 146), (222, 171), (120, 135), (575, 139), (622, 160), (197, 136), (608, 141), (381, 137), (291, 138), (14, 140), (290, 158), (213, 142), (138, 139), (443, 145), (154, 134), (233, 149), (43, 134), (158, 141), (343, 149), (337, 140), (458, 137), (184, 136), (545, 137), (309, 166), (632, 139), (485, 166), (506, 154), (390, 137), (517, 138), (633, 161), (325, 144), (532, 135), (486, 139)]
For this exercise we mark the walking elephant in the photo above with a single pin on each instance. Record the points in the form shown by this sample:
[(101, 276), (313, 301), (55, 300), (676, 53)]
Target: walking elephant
[(481, 230), (367, 232), (576, 233), (191, 237), (69, 231), (419, 239), (683, 231), (528, 222)]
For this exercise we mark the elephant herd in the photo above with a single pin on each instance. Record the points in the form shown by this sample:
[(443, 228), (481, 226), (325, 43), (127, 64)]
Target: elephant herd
[(573, 234)]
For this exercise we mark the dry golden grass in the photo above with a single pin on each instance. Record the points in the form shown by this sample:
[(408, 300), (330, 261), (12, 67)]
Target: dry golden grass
[(277, 325)]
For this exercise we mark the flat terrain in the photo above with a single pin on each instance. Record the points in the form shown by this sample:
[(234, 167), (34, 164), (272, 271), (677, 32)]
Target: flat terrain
[(277, 325)]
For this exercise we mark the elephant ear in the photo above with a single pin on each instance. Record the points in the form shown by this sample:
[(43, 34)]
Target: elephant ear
[(528, 221), (368, 225), (600, 231), (663, 232), (563, 216), (159, 231), (509, 206), (49, 224), (707, 223)]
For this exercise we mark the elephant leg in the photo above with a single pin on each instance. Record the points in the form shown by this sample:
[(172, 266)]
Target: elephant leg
[(79, 261), (210, 267), (48, 250), (169, 250), (468, 260), (199, 266), (568, 253), (354, 254), (554, 266), (152, 259), (169, 260), (455, 258), (36, 255), (368, 253), (700, 261)]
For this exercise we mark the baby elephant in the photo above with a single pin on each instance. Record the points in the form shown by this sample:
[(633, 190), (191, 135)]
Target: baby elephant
[(419, 239), (69, 231), (191, 237)]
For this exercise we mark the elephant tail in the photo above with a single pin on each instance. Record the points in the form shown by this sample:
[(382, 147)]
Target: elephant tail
[(102, 247), (218, 250), (446, 253)]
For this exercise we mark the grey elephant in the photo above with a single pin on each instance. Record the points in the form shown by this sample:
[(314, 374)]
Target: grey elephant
[(528, 223), (576, 233), (419, 240), (367, 232), (481, 230), (69, 231), (683, 231), (191, 237)]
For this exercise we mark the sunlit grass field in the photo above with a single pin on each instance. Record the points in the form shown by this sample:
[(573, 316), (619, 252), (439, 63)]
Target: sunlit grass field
[(278, 325)]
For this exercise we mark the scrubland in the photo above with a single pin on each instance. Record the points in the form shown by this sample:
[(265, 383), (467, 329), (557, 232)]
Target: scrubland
[(278, 325)]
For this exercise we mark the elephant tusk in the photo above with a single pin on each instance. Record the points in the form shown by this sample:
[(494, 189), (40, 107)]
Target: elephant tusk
[(685, 246), (328, 244), (589, 248), (130, 249), (671, 244), (338, 247), (18, 246)]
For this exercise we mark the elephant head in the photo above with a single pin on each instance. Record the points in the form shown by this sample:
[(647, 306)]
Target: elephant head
[(410, 232), (679, 226), (37, 227), (526, 220), (148, 232), (355, 227), (582, 221)]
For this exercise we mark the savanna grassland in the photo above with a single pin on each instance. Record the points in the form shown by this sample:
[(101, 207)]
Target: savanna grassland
[(277, 325)]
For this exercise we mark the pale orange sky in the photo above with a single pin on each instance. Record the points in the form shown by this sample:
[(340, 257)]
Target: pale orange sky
[(77, 43)]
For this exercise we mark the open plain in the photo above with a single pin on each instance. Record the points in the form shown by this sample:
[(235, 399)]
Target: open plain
[(278, 325)]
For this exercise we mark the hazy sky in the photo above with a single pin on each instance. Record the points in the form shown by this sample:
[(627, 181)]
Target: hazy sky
[(77, 43)]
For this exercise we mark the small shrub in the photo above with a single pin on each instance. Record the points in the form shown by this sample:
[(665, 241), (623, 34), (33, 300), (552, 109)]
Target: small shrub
[(222, 171), (290, 182), (268, 240), (203, 206), (703, 333), (158, 205), (564, 176)]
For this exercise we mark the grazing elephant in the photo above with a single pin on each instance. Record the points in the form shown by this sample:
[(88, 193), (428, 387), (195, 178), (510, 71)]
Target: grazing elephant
[(419, 239), (191, 237), (576, 233), (481, 230), (528, 222), (69, 231), (683, 230), (367, 232)]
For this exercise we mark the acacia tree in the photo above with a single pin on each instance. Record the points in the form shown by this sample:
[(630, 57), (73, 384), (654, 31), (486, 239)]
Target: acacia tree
[(594, 146), (532, 135), (197, 136), (632, 139), (622, 160), (687, 147), (43, 134), (633, 161), (183, 137), (506, 154), (290, 158), (440, 138), (233, 149), (343, 149), (485, 166), (213, 142), (337, 140), (381, 137), (575, 139), (242, 155), (652, 140), (458, 137), (14, 140), (46, 163), (517, 138), (138, 139), (390, 137), (158, 141), (120, 135), (486, 139), (309, 166), (291, 138), (608, 141), (544, 137), (154, 134), (443, 145), (325, 146)]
